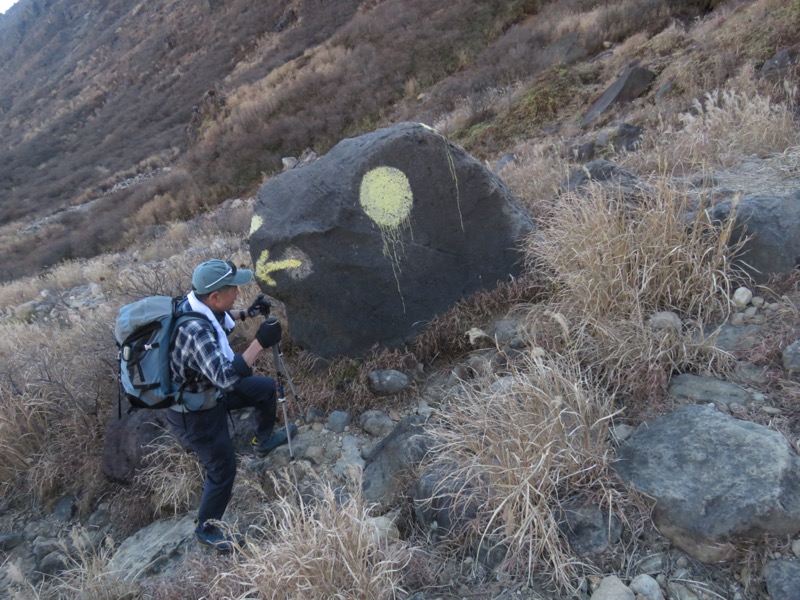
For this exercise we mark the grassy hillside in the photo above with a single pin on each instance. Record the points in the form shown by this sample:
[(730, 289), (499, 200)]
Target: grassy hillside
[(496, 77), (92, 94)]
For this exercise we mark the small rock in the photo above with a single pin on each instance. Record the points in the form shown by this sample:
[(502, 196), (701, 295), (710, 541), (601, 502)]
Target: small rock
[(665, 321), (757, 301), (8, 541), (742, 297), (771, 410), (317, 427), (612, 588), (338, 420), (315, 454), (622, 432), (647, 587), (680, 592), (650, 564), (55, 562), (750, 312), (791, 357), (737, 319), (388, 381), (376, 422), (796, 547), (423, 410)]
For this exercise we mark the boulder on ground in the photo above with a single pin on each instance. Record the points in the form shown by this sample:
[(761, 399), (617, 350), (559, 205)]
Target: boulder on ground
[(715, 479), (633, 82), (770, 225), (368, 243), (126, 441)]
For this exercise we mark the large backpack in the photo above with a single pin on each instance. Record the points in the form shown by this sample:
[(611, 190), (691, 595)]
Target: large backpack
[(145, 331)]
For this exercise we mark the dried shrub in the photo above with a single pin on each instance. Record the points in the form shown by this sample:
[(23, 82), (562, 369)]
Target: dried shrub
[(513, 450), (318, 549), (172, 477), (614, 262), (727, 126)]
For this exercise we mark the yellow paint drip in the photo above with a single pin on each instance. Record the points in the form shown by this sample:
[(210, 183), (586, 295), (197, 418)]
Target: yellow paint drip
[(386, 197), (264, 267)]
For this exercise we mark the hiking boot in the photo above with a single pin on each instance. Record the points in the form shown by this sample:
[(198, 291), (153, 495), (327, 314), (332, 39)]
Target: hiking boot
[(221, 541), (278, 438)]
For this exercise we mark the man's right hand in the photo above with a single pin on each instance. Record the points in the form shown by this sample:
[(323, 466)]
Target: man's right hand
[(269, 333)]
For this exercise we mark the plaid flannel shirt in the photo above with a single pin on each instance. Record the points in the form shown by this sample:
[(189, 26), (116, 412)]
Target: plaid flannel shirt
[(197, 358)]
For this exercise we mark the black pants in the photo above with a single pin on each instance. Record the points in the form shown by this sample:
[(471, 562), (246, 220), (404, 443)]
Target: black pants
[(206, 434)]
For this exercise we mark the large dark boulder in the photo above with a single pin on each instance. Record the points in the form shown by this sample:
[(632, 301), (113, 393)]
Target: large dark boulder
[(715, 480), (632, 83), (126, 441), (771, 227), (374, 239)]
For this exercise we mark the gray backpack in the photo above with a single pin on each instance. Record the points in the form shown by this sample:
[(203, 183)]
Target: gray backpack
[(145, 331)]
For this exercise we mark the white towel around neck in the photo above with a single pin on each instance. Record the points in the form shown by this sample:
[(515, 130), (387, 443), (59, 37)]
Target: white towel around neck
[(222, 335)]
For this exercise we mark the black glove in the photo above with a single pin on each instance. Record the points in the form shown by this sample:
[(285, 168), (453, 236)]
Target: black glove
[(269, 333), (260, 306)]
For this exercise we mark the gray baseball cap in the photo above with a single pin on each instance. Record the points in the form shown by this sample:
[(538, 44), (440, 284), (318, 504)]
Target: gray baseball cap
[(215, 274)]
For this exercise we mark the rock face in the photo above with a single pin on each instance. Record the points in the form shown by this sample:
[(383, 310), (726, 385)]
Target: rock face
[(631, 84), (771, 223), (126, 439), (369, 242), (714, 478)]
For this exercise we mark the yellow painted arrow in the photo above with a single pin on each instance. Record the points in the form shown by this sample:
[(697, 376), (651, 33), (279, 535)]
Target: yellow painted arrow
[(264, 267)]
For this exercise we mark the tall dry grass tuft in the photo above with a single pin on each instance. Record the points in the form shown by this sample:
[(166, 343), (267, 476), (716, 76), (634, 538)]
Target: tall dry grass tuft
[(320, 549), (724, 127), (515, 450), (172, 477), (613, 262), (89, 575), (22, 429)]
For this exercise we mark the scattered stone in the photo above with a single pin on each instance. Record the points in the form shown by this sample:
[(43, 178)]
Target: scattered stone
[(796, 547), (423, 410), (388, 382), (53, 563), (651, 564), (622, 432), (392, 457), (783, 579), (65, 508), (376, 422), (631, 84), (648, 587), (678, 591), (665, 321), (705, 390), (708, 496), (315, 454), (761, 224), (791, 358), (742, 297), (588, 529), (338, 420), (612, 588), (9, 541), (150, 550)]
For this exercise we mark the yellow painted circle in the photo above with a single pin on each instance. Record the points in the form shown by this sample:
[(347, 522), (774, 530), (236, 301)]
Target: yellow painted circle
[(386, 196)]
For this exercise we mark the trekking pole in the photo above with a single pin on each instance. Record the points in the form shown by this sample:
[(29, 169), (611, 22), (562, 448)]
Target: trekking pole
[(276, 354)]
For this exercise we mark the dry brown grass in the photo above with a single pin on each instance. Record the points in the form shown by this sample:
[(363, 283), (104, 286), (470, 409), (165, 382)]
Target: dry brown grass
[(723, 128), (171, 477), (317, 549), (614, 262), (521, 446)]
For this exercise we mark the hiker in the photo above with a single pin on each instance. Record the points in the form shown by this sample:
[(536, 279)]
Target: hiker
[(203, 361)]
